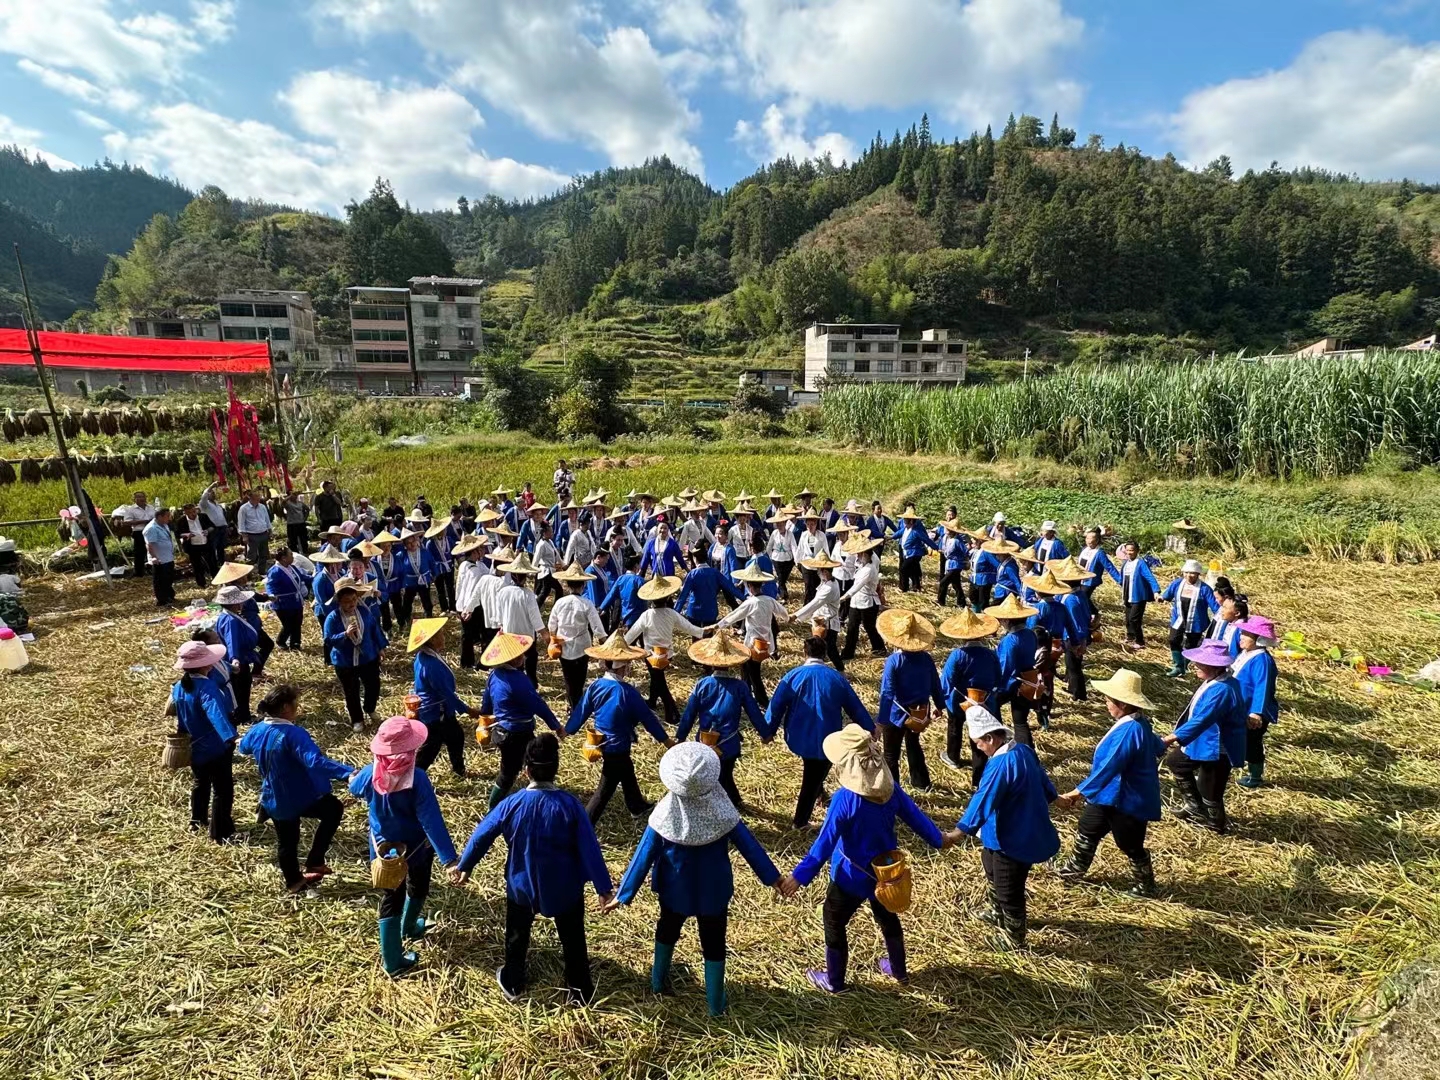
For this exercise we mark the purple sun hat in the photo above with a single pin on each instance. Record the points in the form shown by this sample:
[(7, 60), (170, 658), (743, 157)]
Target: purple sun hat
[(1210, 653), (1260, 628)]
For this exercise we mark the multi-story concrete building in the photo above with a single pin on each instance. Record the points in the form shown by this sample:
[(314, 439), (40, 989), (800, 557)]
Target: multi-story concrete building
[(175, 329), (875, 352), (448, 336), (380, 337), (282, 317)]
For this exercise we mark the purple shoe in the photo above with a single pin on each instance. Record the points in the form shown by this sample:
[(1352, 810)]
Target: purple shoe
[(889, 972), (822, 980)]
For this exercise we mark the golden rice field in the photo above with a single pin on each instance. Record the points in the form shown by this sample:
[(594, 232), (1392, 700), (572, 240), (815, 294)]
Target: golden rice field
[(133, 949)]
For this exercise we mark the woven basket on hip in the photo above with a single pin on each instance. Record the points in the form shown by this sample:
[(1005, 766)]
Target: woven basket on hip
[(176, 754), (591, 749), (388, 868), (893, 883)]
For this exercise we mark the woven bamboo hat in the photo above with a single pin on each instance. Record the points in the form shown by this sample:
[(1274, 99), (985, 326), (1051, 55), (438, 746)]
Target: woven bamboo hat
[(416, 517), (670, 502), (859, 763), (1026, 555), (540, 508), (238, 571), (714, 495), (368, 549), (573, 573), (909, 514), (967, 626), (861, 542), (382, 537), (754, 575), (615, 649), (773, 494), (976, 534), (841, 527), (501, 529), (349, 584), (693, 507), (1011, 608), (500, 492), (468, 544), (325, 558), (1126, 686), (744, 496), (488, 517), (659, 587), (406, 534), (617, 515), (805, 493), (811, 515), (905, 630), (720, 651), (1000, 547), (820, 562), (501, 556), (1068, 569), (504, 648), (435, 530), (688, 493), (1048, 584), (422, 630), (522, 566)]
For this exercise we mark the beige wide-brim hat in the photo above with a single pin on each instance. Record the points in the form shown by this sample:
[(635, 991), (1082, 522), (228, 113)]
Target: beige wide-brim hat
[(468, 544), (505, 648), (1026, 555), (501, 529), (910, 514), (714, 495), (1012, 608), (540, 508), (859, 763), (754, 575), (573, 573), (773, 494), (435, 530), (406, 534), (349, 584), (688, 493), (967, 626), (905, 630), (324, 558), (382, 537), (617, 515), (1183, 525), (1125, 686), (232, 595), (422, 630), (810, 515), (369, 550), (488, 517), (720, 651), (235, 571), (842, 527), (522, 566), (1048, 584), (659, 587), (976, 534), (502, 555), (1067, 569), (615, 649), (415, 517), (1000, 547), (861, 542), (500, 492), (692, 507), (805, 493), (670, 502), (820, 562)]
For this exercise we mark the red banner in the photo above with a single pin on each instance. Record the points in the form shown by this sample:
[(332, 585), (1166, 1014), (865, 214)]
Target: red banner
[(112, 352)]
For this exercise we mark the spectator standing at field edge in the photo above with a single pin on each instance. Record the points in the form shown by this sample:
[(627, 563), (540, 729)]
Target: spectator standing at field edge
[(253, 522)]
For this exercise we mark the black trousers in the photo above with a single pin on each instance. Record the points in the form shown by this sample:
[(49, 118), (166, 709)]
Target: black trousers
[(711, 929), (575, 672), (1074, 673), (140, 554), (419, 865), (1207, 777), (290, 624), (328, 811), (894, 737), (444, 591), (386, 607), (911, 578), (840, 907), (756, 682), (660, 692), (297, 538), (832, 649), (857, 618), (241, 678), (783, 569), (512, 759), (569, 927), (1255, 744), (980, 596), (264, 647), (1180, 638), (812, 777), (471, 630), (1007, 883), (164, 583), (546, 587), (951, 579), (406, 611), (1129, 832), (200, 562), (1020, 707), (448, 733), (1135, 622), (811, 578), (212, 795), (727, 779), (617, 770), (352, 681), (219, 536)]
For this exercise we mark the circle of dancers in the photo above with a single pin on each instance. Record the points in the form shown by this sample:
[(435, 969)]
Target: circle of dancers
[(631, 587)]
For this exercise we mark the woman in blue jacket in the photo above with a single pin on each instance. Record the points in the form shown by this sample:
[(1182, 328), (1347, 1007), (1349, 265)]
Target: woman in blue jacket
[(388, 583), (553, 853), (403, 810), (1208, 740), (440, 704), (415, 567), (241, 645), (1122, 789), (915, 540), (971, 676), (1016, 653), (287, 589), (295, 779), (331, 566), (1254, 671), (1053, 627), (686, 852), (1192, 603), (909, 686), (1138, 587), (1010, 812), (983, 567), (201, 708), (699, 599), (859, 828), (717, 702), (354, 642)]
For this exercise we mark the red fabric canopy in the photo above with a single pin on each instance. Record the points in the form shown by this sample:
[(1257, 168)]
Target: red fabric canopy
[(136, 353)]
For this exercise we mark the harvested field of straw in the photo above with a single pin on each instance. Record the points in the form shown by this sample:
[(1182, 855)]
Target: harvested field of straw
[(134, 949)]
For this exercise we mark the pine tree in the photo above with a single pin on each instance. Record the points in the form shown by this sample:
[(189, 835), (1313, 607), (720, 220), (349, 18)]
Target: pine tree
[(905, 176), (926, 181), (925, 131)]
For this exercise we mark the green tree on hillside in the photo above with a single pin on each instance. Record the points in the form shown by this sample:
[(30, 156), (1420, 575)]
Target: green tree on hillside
[(387, 244), (590, 405)]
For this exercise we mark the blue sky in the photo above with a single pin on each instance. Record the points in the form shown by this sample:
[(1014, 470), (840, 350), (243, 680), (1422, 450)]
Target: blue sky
[(307, 102)]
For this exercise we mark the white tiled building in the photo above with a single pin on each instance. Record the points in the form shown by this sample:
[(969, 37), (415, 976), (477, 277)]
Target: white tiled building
[(875, 352), (282, 317)]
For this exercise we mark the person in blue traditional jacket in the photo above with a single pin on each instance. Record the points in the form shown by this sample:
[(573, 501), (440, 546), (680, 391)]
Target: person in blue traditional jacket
[(759, 560), (1122, 790), (239, 575), (202, 710), (295, 779), (1254, 671), (915, 541), (1016, 652), (622, 603), (685, 851), (552, 852), (879, 524), (403, 814), (416, 569), (1053, 627), (241, 642), (1138, 588), (1093, 559), (1192, 603), (287, 589), (514, 703), (717, 701), (699, 599), (1082, 620), (971, 676), (330, 566), (909, 688), (810, 702), (1049, 546), (1234, 610), (859, 830), (1010, 813), (440, 704), (388, 584), (354, 643), (439, 540), (984, 566), (1007, 569), (662, 552), (1208, 740), (362, 570), (614, 708), (955, 558)]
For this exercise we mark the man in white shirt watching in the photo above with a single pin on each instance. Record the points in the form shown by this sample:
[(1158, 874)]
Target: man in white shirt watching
[(136, 516), (253, 524)]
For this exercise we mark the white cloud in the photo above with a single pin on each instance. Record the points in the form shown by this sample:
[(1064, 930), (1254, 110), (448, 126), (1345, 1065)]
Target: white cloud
[(1353, 101), (12, 134), (971, 60), (418, 137), (781, 133), (74, 86), (214, 19), (533, 61), (690, 22)]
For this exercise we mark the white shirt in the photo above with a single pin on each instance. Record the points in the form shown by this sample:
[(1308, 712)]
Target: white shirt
[(134, 515), (863, 590), (694, 533), (576, 623), (781, 545), (468, 576), (848, 562), (193, 530), (579, 549), (545, 558), (808, 545), (740, 536), (758, 612), (253, 518), (518, 611), (489, 589), (211, 509), (825, 605), (658, 626)]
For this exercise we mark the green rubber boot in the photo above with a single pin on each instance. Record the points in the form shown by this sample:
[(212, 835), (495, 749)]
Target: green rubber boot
[(412, 925), (393, 956), (715, 987), (660, 969), (1177, 665), (1256, 777), (495, 796)]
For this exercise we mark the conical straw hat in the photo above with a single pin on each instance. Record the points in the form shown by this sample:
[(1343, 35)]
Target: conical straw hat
[(468, 544), (488, 517), (861, 542), (820, 562), (573, 573), (1012, 608), (1125, 685), (521, 565), (905, 630), (659, 587), (435, 530), (967, 626), (422, 630), (504, 648), (236, 571), (369, 550), (331, 558), (753, 574), (720, 651), (1068, 569), (615, 649), (1048, 584), (383, 537), (1000, 547)]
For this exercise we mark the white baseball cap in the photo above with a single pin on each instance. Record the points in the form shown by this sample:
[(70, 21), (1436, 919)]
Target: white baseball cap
[(1047, 526), (980, 721), (999, 518)]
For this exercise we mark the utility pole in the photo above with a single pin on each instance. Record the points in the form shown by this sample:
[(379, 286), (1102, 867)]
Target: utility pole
[(1027, 365), (72, 475)]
